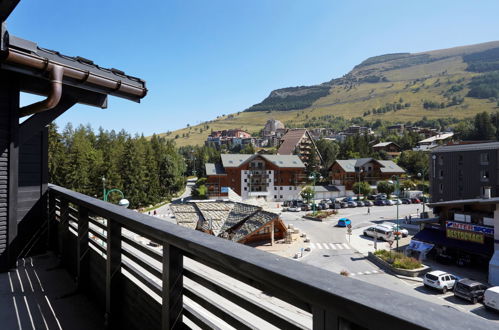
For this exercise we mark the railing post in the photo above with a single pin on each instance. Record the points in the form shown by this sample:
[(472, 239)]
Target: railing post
[(113, 270), (327, 320), (51, 225), (82, 248), (63, 229), (173, 265)]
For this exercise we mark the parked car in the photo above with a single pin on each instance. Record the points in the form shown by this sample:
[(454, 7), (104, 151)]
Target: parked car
[(360, 203), (379, 202), (393, 227), (389, 202), (470, 290), (415, 200), (294, 209), (368, 203), (306, 207), (491, 298), (439, 280), (344, 205), (335, 206), (381, 196), (379, 232), (343, 222), (352, 204), (406, 201), (397, 201), (324, 206)]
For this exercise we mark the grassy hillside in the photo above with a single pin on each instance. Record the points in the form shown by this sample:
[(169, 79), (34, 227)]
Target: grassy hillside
[(432, 84)]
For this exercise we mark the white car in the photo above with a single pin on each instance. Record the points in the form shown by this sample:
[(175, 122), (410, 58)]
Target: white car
[(439, 280), (393, 227), (491, 298), (389, 202), (294, 209)]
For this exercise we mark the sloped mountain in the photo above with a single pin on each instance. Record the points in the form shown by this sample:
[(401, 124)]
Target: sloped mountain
[(401, 87)]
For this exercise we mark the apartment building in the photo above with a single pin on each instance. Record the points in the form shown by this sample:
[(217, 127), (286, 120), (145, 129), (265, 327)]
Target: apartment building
[(299, 142), (273, 177)]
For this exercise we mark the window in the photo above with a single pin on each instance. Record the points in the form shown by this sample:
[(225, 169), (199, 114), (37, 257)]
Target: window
[(275, 196), (245, 180), (295, 187), (270, 172), (281, 196), (275, 188), (441, 188), (460, 159), (440, 160), (280, 188), (484, 158), (270, 180), (245, 188), (290, 188), (441, 174)]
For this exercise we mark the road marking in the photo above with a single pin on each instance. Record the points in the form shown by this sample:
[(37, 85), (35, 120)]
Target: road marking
[(346, 246), (326, 246), (367, 272), (332, 246), (312, 246), (319, 246)]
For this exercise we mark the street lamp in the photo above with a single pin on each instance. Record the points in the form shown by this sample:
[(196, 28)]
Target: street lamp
[(397, 187), (422, 175), (123, 201), (313, 176), (358, 188)]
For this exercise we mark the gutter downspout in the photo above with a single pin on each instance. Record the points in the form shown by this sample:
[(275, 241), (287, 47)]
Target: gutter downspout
[(56, 75)]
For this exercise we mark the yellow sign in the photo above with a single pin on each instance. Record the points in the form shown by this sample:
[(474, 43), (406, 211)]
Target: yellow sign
[(465, 235)]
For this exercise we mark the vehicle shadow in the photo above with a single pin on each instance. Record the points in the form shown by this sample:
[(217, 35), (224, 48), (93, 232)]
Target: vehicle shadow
[(485, 313), (430, 291), (458, 301)]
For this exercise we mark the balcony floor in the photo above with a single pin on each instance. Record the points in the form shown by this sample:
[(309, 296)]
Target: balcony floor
[(39, 295)]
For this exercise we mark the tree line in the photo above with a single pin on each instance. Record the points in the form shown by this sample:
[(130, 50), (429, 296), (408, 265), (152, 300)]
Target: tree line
[(147, 171)]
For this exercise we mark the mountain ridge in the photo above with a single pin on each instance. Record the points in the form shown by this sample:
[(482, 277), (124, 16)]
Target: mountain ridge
[(432, 84)]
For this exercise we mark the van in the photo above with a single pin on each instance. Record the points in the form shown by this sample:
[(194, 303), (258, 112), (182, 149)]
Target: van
[(491, 298), (379, 232)]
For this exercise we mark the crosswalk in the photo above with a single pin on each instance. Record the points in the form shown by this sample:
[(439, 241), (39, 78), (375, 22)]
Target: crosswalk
[(330, 246), (367, 272)]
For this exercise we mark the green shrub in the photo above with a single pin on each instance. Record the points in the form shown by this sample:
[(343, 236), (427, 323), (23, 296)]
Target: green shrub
[(398, 260)]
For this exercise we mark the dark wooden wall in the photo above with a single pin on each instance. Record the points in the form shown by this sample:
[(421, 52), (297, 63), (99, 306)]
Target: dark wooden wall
[(9, 105)]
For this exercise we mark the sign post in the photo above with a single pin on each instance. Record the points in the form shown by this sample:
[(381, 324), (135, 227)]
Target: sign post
[(349, 232)]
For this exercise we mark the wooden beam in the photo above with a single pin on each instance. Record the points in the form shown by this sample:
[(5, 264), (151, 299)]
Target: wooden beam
[(38, 121), (113, 270), (173, 266), (82, 249)]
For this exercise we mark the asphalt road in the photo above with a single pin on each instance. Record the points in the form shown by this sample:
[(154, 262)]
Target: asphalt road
[(330, 250)]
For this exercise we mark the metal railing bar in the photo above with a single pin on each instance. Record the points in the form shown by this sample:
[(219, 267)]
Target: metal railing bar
[(96, 233), (142, 263), (153, 286), (97, 223), (239, 300), (142, 248), (215, 310)]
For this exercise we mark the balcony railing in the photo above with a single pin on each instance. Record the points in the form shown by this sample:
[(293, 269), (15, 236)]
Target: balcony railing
[(173, 285)]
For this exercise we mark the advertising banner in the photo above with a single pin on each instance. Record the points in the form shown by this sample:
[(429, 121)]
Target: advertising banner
[(465, 235), (470, 227)]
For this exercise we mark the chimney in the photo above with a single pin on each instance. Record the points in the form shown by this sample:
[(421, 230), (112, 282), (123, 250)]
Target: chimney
[(486, 192)]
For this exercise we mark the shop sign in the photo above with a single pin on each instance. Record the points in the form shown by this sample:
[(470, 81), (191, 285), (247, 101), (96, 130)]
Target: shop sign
[(465, 235), (224, 190), (470, 227)]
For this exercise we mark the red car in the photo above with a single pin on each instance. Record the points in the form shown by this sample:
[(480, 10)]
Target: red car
[(415, 200)]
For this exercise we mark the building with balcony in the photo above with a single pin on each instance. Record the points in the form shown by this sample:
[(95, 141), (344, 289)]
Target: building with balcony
[(299, 142), (434, 141), (273, 177), (228, 137), (391, 148), (346, 172), (463, 171)]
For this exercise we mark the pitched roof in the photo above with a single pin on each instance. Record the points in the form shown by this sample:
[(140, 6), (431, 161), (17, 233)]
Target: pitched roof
[(387, 166), (438, 137), (327, 188), (79, 72), (290, 140), (236, 160), (214, 169), (222, 218), (384, 144), (467, 147)]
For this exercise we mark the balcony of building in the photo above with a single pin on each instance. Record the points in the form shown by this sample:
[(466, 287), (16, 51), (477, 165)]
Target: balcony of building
[(121, 269)]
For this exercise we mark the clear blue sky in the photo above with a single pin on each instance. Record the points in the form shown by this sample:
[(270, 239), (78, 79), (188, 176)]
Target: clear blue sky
[(205, 58)]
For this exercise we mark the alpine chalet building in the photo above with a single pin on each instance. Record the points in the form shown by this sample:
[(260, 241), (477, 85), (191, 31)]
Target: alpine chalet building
[(273, 177)]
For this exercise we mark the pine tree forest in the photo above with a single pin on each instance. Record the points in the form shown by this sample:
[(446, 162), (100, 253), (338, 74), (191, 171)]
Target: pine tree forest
[(147, 171)]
